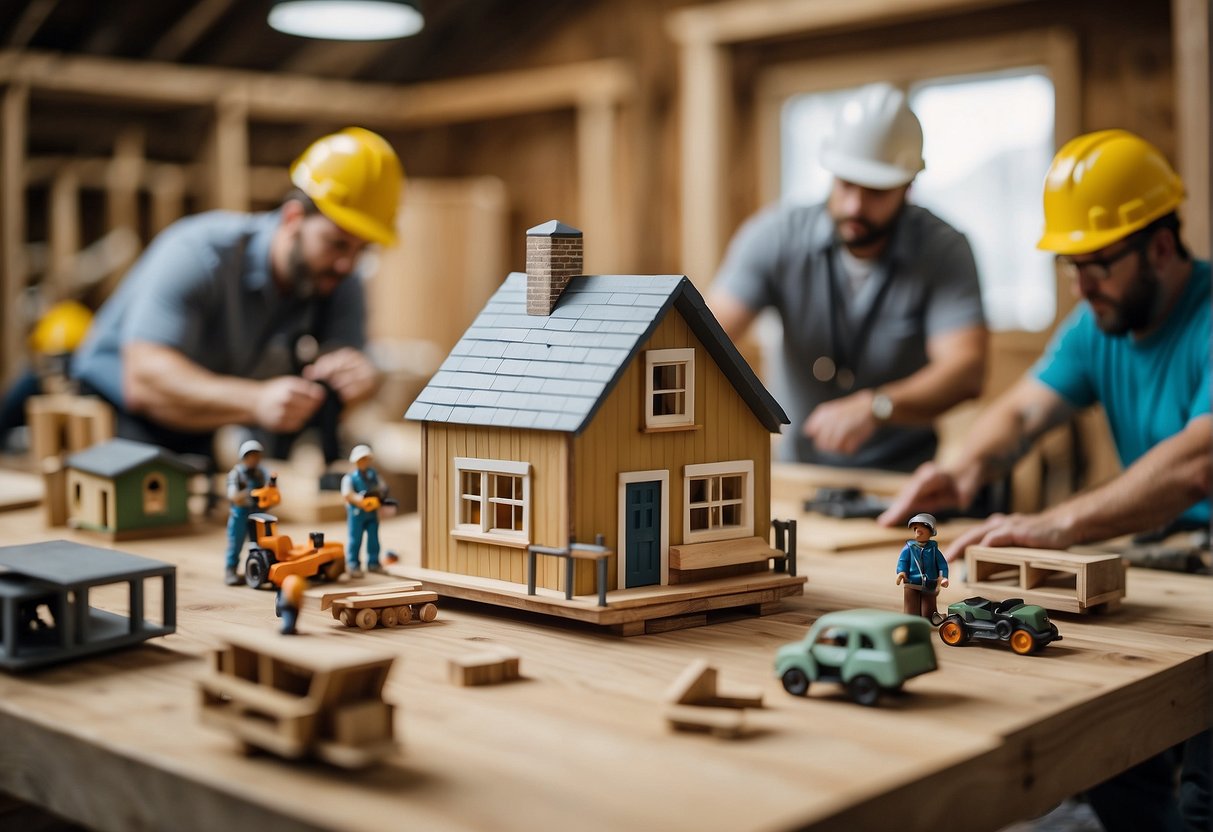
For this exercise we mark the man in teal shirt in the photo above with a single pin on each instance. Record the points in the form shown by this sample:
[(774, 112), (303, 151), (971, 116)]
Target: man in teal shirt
[(1139, 345)]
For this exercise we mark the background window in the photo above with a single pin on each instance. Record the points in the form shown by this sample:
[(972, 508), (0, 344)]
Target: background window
[(988, 140)]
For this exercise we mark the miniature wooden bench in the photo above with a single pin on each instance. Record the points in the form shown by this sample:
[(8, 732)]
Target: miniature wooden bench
[(386, 605), (487, 667), (1056, 580)]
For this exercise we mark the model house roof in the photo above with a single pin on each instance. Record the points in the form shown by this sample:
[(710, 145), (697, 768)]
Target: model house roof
[(117, 456), (552, 372), (65, 563)]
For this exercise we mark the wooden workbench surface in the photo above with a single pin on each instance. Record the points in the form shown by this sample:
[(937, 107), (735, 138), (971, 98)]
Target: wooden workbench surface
[(580, 742)]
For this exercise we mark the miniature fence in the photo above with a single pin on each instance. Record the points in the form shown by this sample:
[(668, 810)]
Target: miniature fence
[(785, 541), (574, 551)]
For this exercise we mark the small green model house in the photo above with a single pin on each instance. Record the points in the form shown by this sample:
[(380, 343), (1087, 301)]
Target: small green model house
[(127, 489)]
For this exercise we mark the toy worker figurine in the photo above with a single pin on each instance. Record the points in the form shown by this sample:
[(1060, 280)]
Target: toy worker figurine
[(921, 569), (364, 494), (246, 476), (289, 602)]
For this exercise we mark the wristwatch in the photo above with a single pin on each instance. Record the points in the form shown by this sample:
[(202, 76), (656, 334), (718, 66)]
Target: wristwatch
[(882, 406)]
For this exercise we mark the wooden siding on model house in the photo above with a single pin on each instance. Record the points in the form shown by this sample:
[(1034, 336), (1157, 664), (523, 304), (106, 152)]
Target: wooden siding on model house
[(578, 476)]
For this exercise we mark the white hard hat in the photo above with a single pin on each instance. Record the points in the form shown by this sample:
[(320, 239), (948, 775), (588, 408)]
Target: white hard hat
[(250, 446), (877, 140), (927, 520), (359, 452)]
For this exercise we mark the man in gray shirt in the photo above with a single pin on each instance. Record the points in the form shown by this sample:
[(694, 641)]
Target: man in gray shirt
[(883, 328), (206, 328)]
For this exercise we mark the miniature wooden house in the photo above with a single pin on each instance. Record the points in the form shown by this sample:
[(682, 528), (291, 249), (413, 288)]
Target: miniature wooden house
[(126, 489), (601, 408)]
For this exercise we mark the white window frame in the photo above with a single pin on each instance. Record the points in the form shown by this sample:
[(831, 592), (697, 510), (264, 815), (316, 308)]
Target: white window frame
[(715, 469), (483, 530), (656, 358)]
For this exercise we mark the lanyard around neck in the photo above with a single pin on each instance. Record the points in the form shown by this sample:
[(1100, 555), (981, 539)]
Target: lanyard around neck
[(847, 358)]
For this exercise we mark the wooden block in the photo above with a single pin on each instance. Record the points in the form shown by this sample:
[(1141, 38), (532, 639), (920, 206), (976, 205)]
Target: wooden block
[(362, 722), (490, 667), (738, 697), (721, 553), (720, 722), (675, 622), (1056, 580)]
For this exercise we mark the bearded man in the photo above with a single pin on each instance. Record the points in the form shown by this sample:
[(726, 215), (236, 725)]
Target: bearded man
[(251, 319), (883, 328)]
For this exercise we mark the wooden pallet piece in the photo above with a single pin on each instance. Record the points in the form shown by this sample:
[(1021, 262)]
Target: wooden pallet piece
[(727, 723), (698, 685), (1056, 580)]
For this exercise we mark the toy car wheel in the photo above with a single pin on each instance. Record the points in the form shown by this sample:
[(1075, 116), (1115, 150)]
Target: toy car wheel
[(365, 619), (387, 617), (1002, 629), (795, 681), (428, 613), (1022, 642), (347, 618), (953, 631), (863, 690), (403, 615), (333, 569), (256, 569)]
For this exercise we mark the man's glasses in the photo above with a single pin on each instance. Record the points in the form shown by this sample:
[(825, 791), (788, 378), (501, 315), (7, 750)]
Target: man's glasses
[(1100, 269)]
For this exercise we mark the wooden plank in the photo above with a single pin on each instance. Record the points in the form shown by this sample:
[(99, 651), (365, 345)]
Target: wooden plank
[(188, 30), (358, 602), (721, 722), (19, 490), (326, 597)]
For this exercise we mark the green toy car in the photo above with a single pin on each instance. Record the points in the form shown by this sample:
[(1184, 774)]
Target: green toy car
[(869, 651), (1025, 626)]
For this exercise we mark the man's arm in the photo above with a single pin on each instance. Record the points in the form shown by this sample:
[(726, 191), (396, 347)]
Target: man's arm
[(999, 437), (1152, 491), (161, 383), (954, 372)]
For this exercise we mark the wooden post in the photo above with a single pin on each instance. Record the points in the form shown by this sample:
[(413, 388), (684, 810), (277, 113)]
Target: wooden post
[(597, 184), (705, 96), (167, 190), (122, 178), (64, 225), (1192, 31), (227, 154), (14, 114)]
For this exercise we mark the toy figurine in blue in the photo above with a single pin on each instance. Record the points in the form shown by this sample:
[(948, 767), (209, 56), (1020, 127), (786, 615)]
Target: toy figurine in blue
[(921, 569), (289, 601), (249, 488), (364, 494)]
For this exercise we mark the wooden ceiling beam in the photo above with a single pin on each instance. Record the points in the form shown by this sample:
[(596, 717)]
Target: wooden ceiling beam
[(272, 97), (738, 21), (190, 29)]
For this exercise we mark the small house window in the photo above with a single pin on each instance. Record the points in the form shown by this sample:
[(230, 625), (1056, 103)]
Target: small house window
[(77, 493), (155, 494), (719, 501), (492, 498), (669, 388)]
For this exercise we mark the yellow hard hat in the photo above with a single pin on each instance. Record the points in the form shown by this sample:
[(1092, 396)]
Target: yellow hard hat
[(355, 179), (61, 329), (1101, 188)]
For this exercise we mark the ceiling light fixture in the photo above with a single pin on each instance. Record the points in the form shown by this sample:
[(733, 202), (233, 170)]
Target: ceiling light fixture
[(347, 19)]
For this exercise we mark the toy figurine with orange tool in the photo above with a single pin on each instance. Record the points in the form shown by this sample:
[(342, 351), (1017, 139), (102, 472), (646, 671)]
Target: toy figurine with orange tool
[(249, 488), (289, 602), (921, 569), (364, 494)]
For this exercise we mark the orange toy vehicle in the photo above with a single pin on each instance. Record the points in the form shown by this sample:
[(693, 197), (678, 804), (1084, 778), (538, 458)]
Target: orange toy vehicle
[(272, 557), (268, 495)]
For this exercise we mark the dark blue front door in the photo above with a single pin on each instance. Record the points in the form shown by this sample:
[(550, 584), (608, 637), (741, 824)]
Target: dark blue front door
[(642, 546)]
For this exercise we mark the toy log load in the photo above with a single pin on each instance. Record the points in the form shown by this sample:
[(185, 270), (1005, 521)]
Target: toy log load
[(386, 605)]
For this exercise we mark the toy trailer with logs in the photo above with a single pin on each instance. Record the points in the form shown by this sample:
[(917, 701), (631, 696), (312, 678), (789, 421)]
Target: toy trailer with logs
[(385, 605), (271, 557), (301, 700)]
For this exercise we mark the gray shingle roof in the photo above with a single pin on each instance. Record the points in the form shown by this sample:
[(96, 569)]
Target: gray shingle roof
[(65, 563), (117, 456), (512, 369)]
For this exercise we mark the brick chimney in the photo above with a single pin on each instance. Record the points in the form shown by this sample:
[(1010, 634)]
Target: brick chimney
[(553, 256)]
